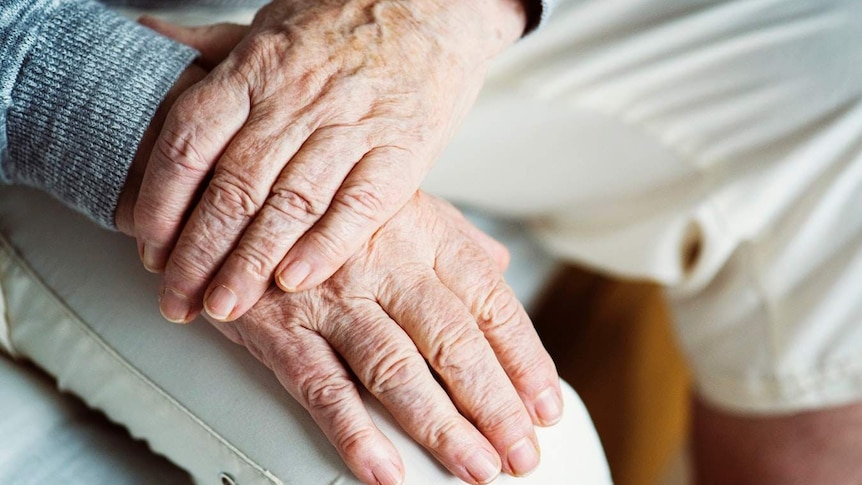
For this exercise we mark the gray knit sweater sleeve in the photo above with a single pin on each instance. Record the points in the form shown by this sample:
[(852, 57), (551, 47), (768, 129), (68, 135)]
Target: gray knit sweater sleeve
[(78, 87)]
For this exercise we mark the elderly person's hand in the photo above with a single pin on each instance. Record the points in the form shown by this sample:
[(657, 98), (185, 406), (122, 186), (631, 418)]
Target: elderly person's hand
[(405, 299), (315, 130)]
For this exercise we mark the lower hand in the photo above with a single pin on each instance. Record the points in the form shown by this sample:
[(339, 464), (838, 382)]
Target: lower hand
[(424, 289)]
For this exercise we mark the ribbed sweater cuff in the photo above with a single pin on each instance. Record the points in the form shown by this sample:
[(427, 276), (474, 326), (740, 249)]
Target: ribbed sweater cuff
[(86, 93)]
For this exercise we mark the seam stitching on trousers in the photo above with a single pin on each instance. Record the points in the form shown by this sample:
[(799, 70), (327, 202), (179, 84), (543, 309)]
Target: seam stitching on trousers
[(5, 327), (16, 259)]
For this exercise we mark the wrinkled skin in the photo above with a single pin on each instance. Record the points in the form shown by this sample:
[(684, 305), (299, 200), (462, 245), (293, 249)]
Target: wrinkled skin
[(403, 299), (426, 289), (315, 130)]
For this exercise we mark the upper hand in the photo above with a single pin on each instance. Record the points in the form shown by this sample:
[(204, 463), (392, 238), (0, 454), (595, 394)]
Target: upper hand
[(315, 130)]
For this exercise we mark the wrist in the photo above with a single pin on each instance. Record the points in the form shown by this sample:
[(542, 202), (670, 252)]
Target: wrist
[(513, 17), (494, 24), (126, 204)]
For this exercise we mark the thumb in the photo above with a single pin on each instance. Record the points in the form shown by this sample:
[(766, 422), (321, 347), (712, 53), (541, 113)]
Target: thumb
[(214, 41)]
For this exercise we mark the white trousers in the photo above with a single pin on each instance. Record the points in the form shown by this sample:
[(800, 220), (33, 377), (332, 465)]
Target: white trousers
[(77, 303), (51, 438), (712, 146)]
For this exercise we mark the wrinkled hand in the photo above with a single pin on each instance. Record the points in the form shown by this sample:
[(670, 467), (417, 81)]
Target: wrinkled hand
[(315, 130), (421, 289), (426, 287), (124, 217)]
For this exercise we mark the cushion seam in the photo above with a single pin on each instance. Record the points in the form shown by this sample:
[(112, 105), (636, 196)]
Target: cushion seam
[(15, 258)]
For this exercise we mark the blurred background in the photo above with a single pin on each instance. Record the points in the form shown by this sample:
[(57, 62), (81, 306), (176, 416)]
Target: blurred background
[(612, 341)]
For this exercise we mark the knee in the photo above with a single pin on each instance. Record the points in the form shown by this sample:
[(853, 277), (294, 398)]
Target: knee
[(822, 446)]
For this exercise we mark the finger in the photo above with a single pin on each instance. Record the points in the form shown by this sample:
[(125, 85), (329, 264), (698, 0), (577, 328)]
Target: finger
[(447, 335), (388, 364), (240, 185), (506, 326), (380, 184), (299, 197), (214, 42), (312, 373), (197, 129)]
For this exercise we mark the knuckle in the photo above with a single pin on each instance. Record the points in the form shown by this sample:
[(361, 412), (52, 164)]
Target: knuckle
[(187, 269), (438, 433), (532, 365), (329, 245), (178, 147), (189, 262), (394, 371), (457, 349), (365, 201), (327, 392), (255, 261), (281, 341), (295, 205), (498, 307), (501, 416), (232, 198), (265, 52), (269, 42)]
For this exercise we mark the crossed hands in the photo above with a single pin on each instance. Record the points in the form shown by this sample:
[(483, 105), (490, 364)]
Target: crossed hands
[(314, 127), (397, 280)]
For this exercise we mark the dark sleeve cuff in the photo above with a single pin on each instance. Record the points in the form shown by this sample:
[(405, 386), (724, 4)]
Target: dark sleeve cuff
[(538, 12), (87, 90)]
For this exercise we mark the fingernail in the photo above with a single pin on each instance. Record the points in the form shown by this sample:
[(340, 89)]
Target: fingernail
[(483, 466), (153, 258), (523, 457), (388, 473), (549, 407), (221, 302), (174, 306), (293, 275)]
